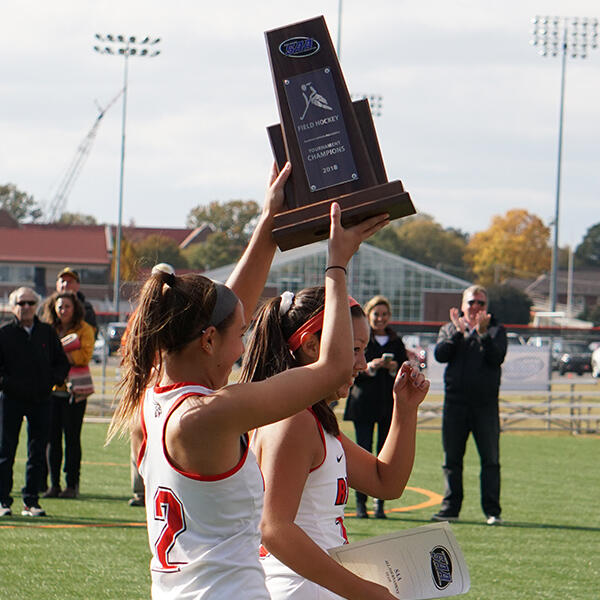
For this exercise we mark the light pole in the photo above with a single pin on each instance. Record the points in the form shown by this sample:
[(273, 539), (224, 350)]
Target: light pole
[(339, 31), (554, 36), (125, 46)]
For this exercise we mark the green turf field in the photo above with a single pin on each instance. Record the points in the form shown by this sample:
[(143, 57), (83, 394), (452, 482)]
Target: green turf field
[(95, 547)]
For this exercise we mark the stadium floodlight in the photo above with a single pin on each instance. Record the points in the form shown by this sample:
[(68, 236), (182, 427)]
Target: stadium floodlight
[(567, 36), (124, 46), (375, 102)]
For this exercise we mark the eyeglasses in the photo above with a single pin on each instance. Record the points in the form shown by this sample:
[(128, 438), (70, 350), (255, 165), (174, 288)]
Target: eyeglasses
[(478, 302), (27, 303)]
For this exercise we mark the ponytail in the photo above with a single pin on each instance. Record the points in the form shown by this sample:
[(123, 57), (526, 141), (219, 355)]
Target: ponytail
[(268, 353), (172, 312)]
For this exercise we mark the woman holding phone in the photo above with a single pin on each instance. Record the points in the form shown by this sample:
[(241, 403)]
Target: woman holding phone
[(370, 400)]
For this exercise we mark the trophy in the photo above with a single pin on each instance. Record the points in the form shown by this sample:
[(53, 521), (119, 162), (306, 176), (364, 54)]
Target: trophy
[(329, 140)]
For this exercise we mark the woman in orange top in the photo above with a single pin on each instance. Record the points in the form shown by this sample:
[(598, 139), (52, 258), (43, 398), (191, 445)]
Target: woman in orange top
[(64, 311)]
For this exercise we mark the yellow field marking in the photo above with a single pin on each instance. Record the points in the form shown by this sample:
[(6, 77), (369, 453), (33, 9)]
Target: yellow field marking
[(433, 499)]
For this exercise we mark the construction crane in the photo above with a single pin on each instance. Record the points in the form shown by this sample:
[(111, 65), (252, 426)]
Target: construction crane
[(58, 202)]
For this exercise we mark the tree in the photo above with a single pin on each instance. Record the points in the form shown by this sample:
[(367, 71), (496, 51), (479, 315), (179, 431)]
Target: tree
[(387, 239), (588, 252), (129, 262), (421, 239), (159, 248), (516, 243), (233, 222), (509, 304), (217, 250), (235, 218), (19, 204), (69, 218)]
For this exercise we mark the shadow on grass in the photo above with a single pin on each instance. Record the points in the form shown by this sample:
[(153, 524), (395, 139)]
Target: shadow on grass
[(505, 524), (104, 497)]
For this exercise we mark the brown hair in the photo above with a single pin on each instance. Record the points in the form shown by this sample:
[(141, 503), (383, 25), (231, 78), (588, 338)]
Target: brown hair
[(267, 352), (172, 312), (376, 301), (50, 316)]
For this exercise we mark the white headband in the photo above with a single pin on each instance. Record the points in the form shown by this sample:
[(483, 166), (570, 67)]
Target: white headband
[(286, 302)]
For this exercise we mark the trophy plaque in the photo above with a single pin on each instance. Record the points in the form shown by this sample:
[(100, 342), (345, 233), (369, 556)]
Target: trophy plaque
[(329, 140)]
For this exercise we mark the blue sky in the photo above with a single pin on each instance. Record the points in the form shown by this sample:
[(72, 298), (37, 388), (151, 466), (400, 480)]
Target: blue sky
[(469, 121)]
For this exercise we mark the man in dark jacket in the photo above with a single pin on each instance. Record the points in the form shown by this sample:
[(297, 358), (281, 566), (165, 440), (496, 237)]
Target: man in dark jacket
[(31, 362), (474, 346)]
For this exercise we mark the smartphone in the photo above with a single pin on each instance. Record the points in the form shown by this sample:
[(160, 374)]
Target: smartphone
[(387, 356)]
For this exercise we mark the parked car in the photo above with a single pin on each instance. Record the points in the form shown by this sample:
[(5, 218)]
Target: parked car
[(113, 334), (515, 339), (100, 349), (596, 362), (544, 342), (575, 357)]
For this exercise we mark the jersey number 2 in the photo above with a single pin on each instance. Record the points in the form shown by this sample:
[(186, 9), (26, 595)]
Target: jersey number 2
[(168, 508)]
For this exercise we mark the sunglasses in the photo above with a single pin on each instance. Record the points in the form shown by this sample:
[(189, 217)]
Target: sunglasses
[(27, 303), (478, 302)]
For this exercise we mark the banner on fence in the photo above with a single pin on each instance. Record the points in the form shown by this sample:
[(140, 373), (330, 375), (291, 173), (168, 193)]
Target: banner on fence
[(525, 368)]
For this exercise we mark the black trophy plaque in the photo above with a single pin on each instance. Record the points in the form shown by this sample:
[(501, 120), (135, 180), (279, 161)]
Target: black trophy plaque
[(330, 140)]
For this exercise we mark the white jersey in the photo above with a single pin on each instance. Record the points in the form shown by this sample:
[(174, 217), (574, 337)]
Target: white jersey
[(203, 530), (321, 516)]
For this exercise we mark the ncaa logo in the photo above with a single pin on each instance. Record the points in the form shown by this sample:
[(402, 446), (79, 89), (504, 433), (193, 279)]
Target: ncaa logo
[(441, 567), (299, 47)]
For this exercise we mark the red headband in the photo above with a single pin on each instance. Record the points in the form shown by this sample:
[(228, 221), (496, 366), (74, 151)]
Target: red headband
[(314, 324)]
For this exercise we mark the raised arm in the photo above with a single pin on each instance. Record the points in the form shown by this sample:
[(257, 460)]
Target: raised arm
[(386, 475), (205, 437), (250, 274), (295, 389)]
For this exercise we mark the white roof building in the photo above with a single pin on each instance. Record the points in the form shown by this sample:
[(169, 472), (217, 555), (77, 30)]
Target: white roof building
[(407, 284)]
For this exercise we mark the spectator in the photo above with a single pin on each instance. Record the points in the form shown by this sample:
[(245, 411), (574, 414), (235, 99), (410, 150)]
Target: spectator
[(371, 400), (137, 482), (65, 313), (68, 281), (31, 362), (474, 346)]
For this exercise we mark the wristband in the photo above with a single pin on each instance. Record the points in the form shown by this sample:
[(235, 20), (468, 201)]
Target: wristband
[(337, 267)]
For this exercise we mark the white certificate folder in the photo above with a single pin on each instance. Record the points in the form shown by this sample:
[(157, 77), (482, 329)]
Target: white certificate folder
[(414, 564)]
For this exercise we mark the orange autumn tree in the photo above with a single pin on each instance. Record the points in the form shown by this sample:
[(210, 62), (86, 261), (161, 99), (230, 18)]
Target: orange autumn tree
[(515, 245)]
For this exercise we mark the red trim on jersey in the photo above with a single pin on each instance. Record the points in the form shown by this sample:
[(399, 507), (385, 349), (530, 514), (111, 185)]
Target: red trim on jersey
[(144, 437), (322, 434), (198, 476), (174, 386)]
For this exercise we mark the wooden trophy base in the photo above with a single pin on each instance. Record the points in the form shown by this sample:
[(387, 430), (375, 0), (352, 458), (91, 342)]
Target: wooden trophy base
[(329, 140), (308, 224)]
